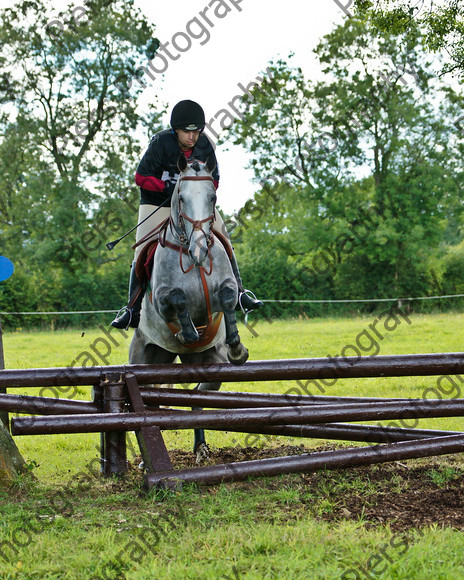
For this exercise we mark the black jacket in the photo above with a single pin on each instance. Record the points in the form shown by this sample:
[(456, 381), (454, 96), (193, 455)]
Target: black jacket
[(160, 161)]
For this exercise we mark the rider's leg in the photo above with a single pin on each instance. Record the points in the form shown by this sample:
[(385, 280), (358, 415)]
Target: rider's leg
[(245, 301), (130, 314)]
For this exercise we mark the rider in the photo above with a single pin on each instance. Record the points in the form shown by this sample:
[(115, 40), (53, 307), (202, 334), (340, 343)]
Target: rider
[(157, 175)]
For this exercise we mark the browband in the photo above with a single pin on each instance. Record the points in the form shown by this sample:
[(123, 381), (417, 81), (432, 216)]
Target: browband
[(196, 178)]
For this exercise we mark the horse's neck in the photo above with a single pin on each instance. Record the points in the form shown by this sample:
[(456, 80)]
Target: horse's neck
[(173, 231)]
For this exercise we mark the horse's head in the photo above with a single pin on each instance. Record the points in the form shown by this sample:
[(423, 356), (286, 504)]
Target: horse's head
[(193, 206)]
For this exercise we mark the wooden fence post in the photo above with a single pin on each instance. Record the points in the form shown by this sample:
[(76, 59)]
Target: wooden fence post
[(114, 442), (3, 414)]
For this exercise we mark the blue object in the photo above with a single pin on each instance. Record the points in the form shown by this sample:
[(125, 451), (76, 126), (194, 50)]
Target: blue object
[(6, 268)]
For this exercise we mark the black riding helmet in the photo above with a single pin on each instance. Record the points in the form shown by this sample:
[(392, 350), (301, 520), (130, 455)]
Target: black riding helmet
[(188, 116)]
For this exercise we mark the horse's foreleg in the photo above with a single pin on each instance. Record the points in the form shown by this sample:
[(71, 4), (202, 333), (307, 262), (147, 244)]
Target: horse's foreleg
[(227, 300), (212, 355), (174, 301), (237, 353), (199, 445)]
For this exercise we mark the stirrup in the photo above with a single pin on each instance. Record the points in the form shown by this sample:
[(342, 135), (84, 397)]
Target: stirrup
[(120, 320), (252, 296)]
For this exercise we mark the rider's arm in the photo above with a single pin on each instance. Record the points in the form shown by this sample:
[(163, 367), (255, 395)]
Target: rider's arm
[(149, 173), (149, 182)]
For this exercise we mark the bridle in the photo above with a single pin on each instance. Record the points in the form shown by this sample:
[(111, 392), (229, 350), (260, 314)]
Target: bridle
[(197, 224)]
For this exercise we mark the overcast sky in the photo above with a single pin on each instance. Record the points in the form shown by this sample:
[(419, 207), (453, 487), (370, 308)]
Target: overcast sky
[(234, 47)]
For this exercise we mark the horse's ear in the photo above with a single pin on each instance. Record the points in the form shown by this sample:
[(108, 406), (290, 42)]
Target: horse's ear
[(182, 162), (210, 164)]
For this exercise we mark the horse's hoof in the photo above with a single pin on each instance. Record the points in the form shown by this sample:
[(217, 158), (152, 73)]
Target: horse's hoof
[(237, 354), (190, 339), (202, 452)]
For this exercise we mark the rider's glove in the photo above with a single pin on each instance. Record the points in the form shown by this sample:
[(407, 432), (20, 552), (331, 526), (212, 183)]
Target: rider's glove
[(169, 187)]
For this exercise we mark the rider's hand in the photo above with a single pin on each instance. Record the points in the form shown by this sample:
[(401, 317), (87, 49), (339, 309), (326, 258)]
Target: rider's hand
[(169, 187)]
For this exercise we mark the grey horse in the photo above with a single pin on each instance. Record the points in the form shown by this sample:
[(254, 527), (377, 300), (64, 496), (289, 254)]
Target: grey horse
[(190, 311)]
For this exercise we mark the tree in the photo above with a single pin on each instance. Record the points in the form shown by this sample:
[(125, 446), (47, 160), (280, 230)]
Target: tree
[(441, 25), (372, 148), (68, 147), (403, 135), (12, 463)]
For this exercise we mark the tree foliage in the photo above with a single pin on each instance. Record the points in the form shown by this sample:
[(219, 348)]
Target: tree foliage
[(441, 25), (361, 172), (68, 144)]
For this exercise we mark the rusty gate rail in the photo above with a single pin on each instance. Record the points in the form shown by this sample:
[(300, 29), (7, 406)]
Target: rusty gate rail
[(46, 405), (237, 400), (285, 369), (224, 418), (306, 463)]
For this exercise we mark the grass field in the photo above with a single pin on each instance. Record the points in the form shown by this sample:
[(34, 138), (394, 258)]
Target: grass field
[(71, 524)]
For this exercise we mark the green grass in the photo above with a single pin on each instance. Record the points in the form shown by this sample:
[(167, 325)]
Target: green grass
[(75, 525)]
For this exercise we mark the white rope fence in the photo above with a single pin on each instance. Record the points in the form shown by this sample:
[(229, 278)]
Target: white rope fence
[(69, 312), (288, 301), (373, 299)]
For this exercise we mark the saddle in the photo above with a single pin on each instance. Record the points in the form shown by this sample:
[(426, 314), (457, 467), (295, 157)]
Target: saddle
[(144, 264)]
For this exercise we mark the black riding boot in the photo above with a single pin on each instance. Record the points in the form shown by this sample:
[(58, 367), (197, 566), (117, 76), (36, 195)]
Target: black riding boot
[(130, 314), (245, 301)]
